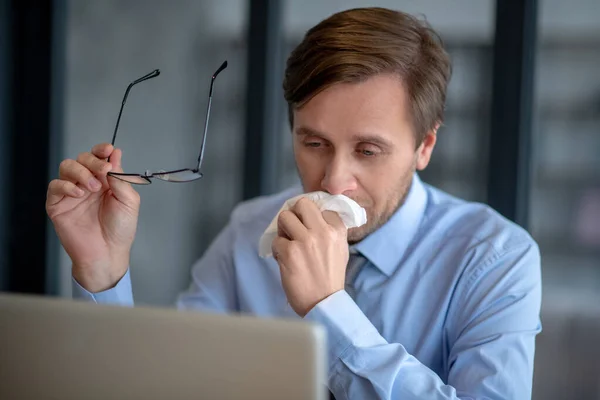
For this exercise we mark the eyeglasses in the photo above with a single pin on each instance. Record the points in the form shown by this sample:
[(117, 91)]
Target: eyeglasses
[(178, 175)]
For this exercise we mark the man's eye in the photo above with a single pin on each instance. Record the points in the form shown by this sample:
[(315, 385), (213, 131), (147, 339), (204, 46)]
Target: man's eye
[(366, 152), (312, 144)]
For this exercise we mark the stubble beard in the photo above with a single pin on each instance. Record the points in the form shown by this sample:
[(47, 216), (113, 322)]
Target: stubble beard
[(375, 222)]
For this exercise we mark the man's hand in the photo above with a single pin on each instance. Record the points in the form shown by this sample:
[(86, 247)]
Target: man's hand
[(95, 216), (312, 251)]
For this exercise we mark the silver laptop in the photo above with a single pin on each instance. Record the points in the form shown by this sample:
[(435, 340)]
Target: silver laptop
[(62, 349)]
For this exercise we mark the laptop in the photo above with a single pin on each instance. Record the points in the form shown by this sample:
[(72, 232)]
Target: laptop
[(62, 349)]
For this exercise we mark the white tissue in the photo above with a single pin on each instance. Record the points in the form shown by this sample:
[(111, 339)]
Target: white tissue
[(349, 211)]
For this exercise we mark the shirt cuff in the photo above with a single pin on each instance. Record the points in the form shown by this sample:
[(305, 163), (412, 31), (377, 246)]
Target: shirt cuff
[(120, 294), (347, 326)]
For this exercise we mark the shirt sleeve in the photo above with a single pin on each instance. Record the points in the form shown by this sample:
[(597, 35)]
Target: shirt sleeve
[(120, 294), (491, 340)]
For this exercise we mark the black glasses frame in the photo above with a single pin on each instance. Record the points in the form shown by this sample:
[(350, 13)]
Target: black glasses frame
[(179, 175)]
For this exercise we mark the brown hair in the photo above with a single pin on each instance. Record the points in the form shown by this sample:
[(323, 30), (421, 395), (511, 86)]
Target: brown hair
[(354, 45)]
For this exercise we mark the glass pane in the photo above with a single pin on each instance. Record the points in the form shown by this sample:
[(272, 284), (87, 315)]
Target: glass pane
[(109, 44), (565, 198), (459, 163), (185, 175)]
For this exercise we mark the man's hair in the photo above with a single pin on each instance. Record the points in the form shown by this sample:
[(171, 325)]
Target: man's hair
[(354, 45)]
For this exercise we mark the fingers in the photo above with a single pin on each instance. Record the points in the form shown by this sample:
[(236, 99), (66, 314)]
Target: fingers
[(278, 248), (90, 168), (123, 191), (105, 158), (289, 226), (97, 166), (58, 189), (333, 219), (308, 212), (312, 217), (75, 172), (115, 160), (89, 172), (102, 150)]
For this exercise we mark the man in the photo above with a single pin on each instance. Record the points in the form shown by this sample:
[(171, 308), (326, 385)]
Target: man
[(441, 297)]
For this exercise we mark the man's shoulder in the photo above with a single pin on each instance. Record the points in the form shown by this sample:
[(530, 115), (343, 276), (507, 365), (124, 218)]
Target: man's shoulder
[(259, 212), (477, 222)]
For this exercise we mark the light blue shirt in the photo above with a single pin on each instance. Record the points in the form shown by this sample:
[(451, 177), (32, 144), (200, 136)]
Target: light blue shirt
[(446, 307)]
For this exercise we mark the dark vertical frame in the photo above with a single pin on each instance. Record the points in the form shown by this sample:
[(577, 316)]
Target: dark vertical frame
[(29, 142), (5, 142), (56, 129), (512, 108), (264, 97)]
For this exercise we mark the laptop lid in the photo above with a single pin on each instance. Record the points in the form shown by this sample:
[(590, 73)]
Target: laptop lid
[(62, 349)]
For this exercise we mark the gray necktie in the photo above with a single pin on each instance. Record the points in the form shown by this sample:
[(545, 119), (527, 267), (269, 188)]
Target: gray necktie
[(355, 264)]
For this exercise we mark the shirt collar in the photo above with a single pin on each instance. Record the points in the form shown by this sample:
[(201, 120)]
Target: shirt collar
[(384, 247)]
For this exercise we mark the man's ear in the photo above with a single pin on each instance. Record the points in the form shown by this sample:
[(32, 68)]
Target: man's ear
[(426, 148)]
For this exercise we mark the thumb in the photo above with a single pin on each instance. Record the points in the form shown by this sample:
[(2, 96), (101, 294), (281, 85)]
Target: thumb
[(115, 159), (123, 191)]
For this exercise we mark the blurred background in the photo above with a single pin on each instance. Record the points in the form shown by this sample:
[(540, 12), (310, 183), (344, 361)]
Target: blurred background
[(521, 134)]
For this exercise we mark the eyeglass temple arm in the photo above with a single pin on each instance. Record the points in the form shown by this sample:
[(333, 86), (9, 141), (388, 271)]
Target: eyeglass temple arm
[(212, 82), (151, 75)]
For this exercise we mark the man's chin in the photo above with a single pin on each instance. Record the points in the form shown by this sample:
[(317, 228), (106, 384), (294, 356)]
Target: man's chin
[(374, 222), (355, 235)]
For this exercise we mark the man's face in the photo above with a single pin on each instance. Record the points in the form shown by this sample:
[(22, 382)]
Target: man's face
[(358, 140)]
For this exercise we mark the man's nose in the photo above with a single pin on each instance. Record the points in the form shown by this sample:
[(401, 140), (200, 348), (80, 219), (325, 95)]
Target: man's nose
[(339, 177)]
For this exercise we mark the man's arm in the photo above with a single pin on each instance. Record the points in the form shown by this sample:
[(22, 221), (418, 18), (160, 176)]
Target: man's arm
[(491, 334), (212, 288)]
